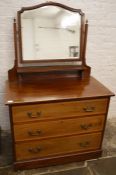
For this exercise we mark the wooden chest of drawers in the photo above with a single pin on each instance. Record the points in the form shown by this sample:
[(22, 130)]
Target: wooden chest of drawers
[(48, 132)]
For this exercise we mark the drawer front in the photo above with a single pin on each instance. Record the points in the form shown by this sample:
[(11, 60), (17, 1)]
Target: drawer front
[(44, 129), (57, 146), (59, 109)]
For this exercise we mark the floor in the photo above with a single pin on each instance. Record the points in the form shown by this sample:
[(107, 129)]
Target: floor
[(106, 165)]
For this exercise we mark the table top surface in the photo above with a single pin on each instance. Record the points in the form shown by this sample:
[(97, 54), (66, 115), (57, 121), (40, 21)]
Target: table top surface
[(54, 90)]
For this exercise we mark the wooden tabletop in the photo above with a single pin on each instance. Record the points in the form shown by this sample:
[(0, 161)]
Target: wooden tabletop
[(54, 90)]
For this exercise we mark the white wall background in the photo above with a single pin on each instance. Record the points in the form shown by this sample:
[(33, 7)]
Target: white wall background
[(101, 48)]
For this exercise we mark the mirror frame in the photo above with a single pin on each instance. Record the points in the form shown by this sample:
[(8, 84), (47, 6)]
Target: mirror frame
[(82, 35)]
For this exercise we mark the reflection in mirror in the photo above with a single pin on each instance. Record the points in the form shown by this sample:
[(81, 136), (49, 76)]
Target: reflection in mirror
[(50, 32)]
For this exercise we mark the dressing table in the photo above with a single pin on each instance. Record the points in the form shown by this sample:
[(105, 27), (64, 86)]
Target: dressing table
[(57, 110)]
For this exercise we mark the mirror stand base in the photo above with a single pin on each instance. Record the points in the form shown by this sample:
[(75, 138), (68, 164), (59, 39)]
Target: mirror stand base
[(35, 74)]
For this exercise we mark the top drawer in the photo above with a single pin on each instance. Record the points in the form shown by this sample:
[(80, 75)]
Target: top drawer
[(58, 110)]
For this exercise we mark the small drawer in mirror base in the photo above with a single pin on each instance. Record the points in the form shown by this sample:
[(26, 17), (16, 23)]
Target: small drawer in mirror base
[(59, 160)]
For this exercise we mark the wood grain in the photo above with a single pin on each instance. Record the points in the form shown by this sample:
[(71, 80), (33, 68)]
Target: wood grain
[(63, 105), (58, 110), (58, 128), (57, 160), (57, 146), (54, 90)]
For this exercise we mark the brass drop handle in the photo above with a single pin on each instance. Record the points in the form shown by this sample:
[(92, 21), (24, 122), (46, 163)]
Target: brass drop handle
[(34, 133), (34, 150), (31, 115), (84, 144), (86, 126), (89, 109)]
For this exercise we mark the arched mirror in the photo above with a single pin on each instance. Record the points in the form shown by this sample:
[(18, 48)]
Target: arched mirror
[(50, 32), (50, 38)]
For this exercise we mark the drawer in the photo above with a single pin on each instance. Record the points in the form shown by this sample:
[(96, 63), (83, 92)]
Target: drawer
[(43, 129), (60, 109), (57, 146)]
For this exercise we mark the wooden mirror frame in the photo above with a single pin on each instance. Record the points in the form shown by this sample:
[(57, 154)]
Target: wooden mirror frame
[(27, 66), (20, 56)]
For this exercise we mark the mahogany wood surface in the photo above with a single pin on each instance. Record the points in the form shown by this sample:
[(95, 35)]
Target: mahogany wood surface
[(58, 128), (38, 112), (57, 146), (54, 90), (47, 69), (34, 163), (51, 97)]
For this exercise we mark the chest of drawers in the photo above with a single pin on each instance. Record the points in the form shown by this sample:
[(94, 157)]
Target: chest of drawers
[(58, 126)]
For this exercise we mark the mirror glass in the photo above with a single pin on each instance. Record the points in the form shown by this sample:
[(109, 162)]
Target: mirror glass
[(50, 32)]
